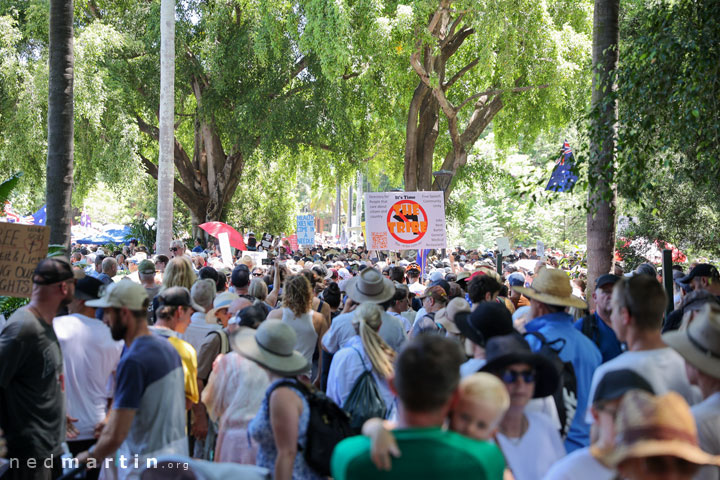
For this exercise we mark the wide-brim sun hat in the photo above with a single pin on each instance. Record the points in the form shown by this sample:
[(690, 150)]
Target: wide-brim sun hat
[(273, 347), (552, 286), (506, 350), (370, 286), (699, 343), (652, 426)]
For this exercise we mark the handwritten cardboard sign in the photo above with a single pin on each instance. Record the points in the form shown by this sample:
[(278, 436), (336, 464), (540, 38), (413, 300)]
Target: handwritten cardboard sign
[(21, 249)]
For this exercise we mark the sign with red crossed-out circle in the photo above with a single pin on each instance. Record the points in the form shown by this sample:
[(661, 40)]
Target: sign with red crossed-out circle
[(404, 220)]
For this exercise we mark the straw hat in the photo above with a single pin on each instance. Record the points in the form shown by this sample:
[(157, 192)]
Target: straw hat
[(272, 347), (370, 286), (650, 426), (552, 286), (699, 344), (446, 316)]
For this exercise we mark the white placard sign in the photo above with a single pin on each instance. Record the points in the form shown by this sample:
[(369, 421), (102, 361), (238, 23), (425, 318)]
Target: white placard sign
[(405, 220), (256, 256), (503, 244), (540, 249), (225, 251)]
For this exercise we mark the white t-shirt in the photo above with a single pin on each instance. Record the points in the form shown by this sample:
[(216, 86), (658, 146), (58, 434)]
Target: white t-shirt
[(90, 357), (663, 368), (531, 456), (417, 288), (707, 418), (579, 464)]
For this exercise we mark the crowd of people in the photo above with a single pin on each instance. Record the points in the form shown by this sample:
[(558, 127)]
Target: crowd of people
[(351, 364)]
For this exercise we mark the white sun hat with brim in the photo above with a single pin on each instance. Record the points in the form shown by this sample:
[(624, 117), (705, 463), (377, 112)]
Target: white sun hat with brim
[(222, 300), (552, 286), (273, 347)]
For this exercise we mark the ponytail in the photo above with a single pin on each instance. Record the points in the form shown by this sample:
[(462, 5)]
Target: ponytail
[(369, 318)]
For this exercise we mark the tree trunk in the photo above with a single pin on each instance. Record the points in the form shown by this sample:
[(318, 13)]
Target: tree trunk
[(166, 167), (59, 179), (601, 194)]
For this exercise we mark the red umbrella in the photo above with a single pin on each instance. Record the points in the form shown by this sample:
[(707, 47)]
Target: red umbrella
[(216, 228)]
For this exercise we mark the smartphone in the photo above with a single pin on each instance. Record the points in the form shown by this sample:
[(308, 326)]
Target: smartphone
[(266, 261)]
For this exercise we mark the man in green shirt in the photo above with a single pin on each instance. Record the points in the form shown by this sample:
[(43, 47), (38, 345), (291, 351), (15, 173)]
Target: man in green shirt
[(427, 373)]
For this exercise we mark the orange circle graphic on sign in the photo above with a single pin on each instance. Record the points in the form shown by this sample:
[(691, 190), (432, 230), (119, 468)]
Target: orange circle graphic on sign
[(407, 221)]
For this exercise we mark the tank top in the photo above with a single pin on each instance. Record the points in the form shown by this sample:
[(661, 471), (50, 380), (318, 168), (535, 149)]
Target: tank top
[(305, 331)]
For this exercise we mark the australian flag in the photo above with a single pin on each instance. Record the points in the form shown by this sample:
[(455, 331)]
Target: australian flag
[(422, 258), (40, 217), (562, 178)]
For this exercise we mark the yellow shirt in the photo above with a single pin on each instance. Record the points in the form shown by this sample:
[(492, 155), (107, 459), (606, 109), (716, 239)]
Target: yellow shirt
[(188, 358), (189, 363)]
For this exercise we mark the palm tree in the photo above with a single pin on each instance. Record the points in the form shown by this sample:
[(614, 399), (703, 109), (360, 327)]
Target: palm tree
[(601, 195), (166, 167), (61, 64)]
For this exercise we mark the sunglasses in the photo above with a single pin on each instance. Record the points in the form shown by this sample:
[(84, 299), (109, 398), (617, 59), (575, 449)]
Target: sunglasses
[(257, 275), (174, 249), (511, 376)]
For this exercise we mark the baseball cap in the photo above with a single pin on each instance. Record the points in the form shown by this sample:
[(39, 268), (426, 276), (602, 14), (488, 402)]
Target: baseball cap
[(240, 276), (146, 267), (88, 288), (607, 279), (177, 297), (617, 383), (516, 279), (434, 290), (53, 270), (124, 293), (701, 270), (436, 275)]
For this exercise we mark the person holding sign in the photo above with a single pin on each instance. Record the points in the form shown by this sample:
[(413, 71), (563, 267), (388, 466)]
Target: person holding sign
[(33, 414)]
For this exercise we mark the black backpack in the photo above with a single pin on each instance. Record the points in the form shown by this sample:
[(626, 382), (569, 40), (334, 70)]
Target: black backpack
[(328, 426), (566, 394), (365, 400)]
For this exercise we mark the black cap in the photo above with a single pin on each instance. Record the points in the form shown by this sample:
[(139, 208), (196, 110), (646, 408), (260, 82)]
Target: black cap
[(701, 270), (53, 270), (88, 288), (607, 279), (177, 297), (616, 383), (489, 319), (240, 276)]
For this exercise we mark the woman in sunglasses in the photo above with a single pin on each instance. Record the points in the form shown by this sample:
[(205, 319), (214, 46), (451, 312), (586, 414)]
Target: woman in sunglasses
[(529, 440)]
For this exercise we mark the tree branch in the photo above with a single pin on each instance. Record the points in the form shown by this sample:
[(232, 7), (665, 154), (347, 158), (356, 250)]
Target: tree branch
[(462, 72), (185, 194)]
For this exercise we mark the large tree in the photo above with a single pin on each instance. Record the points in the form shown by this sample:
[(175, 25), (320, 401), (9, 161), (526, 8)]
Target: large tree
[(519, 65), (59, 180), (601, 194)]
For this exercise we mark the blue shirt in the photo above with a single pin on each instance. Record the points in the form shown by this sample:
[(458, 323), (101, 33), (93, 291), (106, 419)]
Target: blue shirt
[(150, 381), (604, 338), (197, 249), (585, 358)]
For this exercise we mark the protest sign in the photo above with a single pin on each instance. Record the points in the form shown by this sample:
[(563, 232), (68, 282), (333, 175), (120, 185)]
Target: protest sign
[(306, 229), (225, 251), (540, 249), (503, 244), (405, 220), (256, 256), (21, 249), (267, 241)]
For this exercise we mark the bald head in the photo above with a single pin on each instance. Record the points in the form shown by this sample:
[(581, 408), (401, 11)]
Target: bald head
[(109, 266), (238, 305)]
